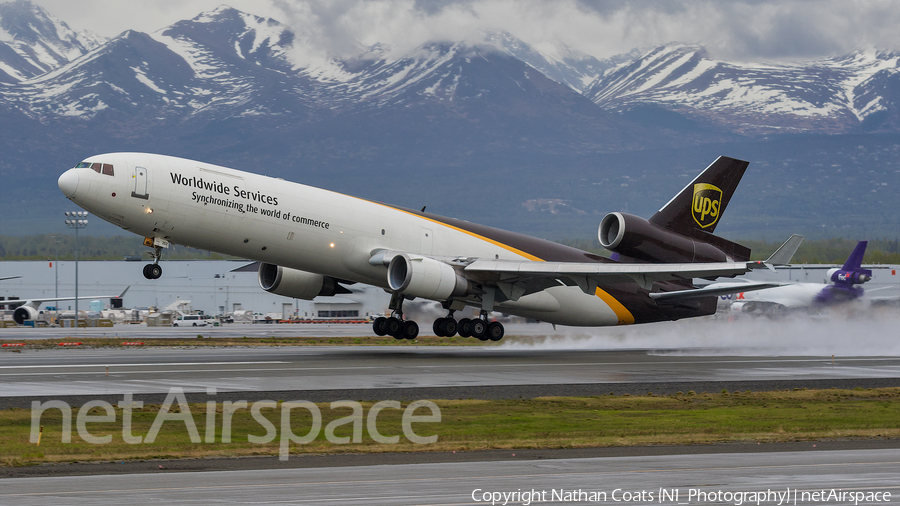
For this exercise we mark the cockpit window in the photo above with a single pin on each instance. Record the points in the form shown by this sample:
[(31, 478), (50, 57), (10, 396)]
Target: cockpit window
[(100, 168)]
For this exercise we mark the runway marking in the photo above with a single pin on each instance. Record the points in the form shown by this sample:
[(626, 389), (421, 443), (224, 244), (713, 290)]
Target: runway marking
[(139, 365), (446, 366), (480, 477)]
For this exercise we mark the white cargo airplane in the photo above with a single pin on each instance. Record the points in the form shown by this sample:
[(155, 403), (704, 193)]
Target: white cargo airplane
[(311, 241), (27, 309), (844, 286)]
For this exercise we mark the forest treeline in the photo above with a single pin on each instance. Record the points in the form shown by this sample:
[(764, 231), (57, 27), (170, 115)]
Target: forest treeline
[(62, 246)]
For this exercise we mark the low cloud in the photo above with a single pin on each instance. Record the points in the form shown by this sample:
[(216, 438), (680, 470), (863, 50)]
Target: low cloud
[(748, 29)]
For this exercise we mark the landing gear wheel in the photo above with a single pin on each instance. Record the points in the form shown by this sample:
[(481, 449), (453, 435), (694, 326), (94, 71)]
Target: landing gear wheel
[(495, 331), (410, 330), (379, 326), (152, 271), (479, 329), (449, 327), (438, 327), (464, 327), (393, 326)]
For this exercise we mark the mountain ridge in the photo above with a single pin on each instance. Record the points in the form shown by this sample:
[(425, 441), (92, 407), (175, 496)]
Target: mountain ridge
[(475, 130)]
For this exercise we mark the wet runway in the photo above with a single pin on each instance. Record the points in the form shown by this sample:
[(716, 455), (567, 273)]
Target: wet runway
[(807, 477), (38, 373)]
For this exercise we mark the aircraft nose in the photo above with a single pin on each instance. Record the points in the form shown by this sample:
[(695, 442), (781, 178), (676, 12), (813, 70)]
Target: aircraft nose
[(68, 182)]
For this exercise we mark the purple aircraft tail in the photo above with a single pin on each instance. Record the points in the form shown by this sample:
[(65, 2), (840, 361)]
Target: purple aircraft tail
[(844, 278), (852, 273)]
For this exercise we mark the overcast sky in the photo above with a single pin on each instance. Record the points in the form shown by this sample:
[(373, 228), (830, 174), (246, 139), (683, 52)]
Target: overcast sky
[(743, 29)]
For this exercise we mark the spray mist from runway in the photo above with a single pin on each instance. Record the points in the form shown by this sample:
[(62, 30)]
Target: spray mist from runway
[(873, 333)]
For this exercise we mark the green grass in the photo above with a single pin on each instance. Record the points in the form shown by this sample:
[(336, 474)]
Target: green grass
[(466, 425)]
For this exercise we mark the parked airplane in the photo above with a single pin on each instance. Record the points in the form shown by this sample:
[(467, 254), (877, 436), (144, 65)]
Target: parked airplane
[(311, 242), (842, 288), (27, 309)]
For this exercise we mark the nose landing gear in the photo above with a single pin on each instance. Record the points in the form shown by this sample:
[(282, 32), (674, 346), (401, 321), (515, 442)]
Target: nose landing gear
[(154, 270)]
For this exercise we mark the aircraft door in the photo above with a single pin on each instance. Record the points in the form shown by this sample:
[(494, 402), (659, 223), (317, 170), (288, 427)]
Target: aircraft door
[(140, 183)]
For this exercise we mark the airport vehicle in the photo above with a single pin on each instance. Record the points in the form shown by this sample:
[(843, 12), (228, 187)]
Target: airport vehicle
[(313, 242), (27, 309), (843, 287), (189, 320)]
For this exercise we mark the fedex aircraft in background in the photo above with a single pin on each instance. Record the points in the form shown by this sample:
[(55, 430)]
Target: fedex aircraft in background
[(313, 242), (843, 287)]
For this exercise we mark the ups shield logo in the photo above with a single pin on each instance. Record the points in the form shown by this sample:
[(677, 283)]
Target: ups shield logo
[(706, 205)]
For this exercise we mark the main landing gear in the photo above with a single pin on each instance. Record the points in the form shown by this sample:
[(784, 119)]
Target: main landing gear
[(154, 270), (478, 328), (396, 326)]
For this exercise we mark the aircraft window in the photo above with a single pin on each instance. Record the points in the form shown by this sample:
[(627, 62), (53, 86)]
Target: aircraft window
[(108, 169), (83, 165), (97, 167)]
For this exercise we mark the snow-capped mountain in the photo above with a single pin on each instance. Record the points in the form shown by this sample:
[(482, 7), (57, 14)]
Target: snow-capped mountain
[(225, 63), (32, 42), (472, 128), (220, 60), (834, 95)]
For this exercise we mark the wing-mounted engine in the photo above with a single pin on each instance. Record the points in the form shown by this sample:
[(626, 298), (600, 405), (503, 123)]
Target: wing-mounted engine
[(638, 238), (297, 284), (426, 277), (24, 312)]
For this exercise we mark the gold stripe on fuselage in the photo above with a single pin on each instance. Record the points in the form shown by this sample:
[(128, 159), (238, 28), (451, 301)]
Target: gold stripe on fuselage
[(622, 313)]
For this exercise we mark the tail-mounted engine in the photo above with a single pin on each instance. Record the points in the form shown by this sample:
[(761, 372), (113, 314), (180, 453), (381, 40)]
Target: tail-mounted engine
[(849, 277), (297, 284), (637, 238)]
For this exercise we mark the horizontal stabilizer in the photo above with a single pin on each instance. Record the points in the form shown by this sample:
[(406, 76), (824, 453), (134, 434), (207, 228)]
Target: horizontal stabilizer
[(711, 291)]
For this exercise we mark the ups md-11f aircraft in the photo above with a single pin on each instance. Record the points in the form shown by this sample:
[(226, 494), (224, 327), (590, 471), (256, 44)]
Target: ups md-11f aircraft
[(313, 242)]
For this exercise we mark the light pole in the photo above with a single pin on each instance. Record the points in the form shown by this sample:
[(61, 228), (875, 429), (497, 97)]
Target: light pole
[(56, 273), (77, 221)]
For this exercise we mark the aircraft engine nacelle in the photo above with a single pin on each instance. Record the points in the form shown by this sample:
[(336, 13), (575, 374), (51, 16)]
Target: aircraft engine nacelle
[(855, 277), (637, 238), (294, 283), (425, 277), (23, 313)]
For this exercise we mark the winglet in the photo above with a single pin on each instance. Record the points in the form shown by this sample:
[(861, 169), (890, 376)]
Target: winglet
[(785, 253), (123, 292), (782, 255)]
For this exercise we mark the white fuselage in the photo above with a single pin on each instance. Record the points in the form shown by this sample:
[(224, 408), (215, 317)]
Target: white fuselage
[(289, 224)]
